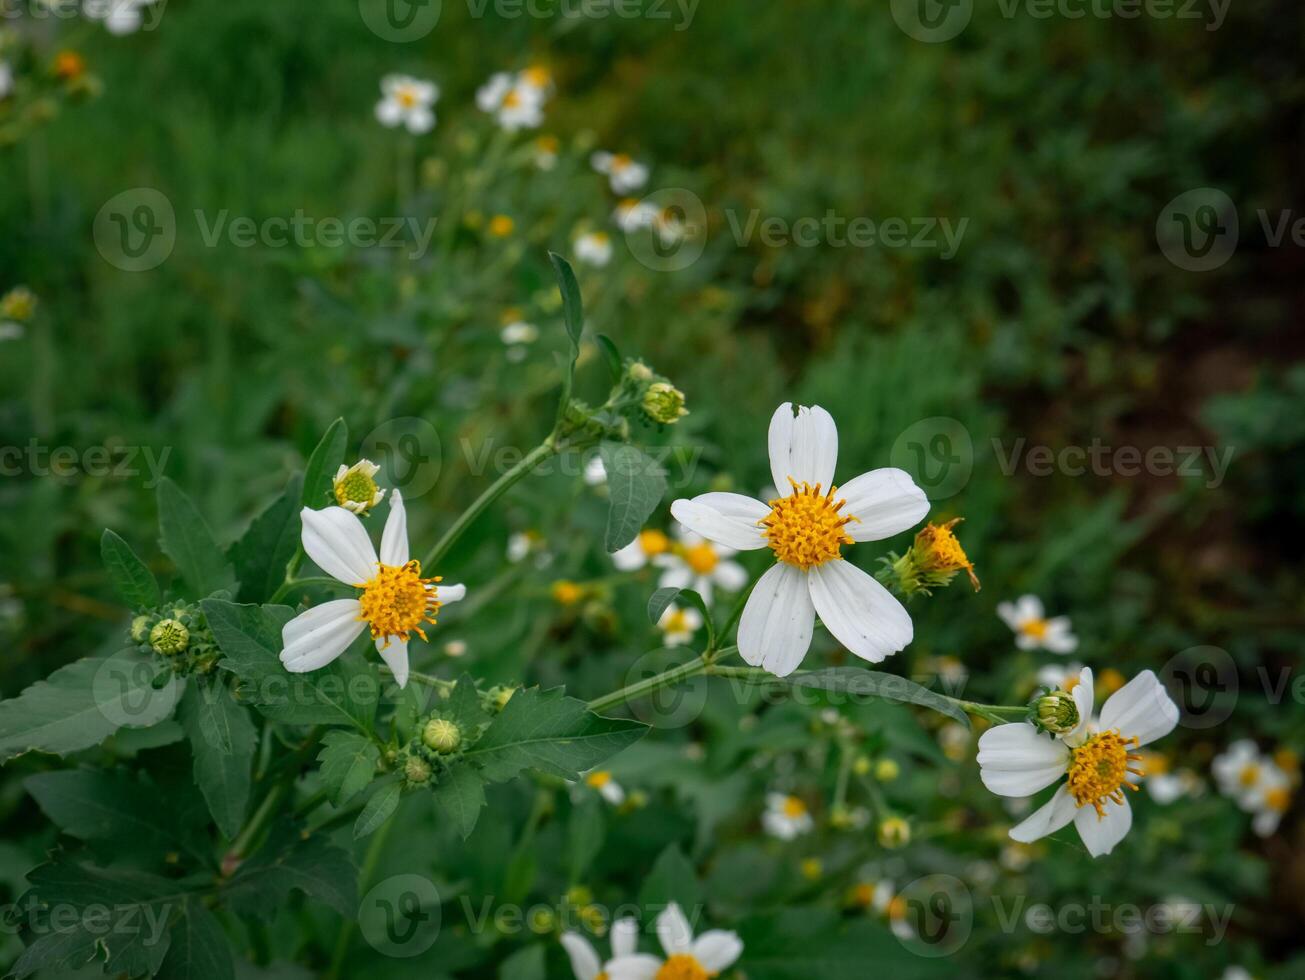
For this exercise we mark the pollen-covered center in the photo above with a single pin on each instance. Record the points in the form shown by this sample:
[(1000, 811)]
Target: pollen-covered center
[(1035, 628), (398, 601), (682, 966), (807, 528), (355, 487), (794, 808), (702, 558), (1100, 768)]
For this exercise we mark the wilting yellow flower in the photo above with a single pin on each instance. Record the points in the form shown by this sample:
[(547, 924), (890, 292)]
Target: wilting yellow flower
[(937, 550)]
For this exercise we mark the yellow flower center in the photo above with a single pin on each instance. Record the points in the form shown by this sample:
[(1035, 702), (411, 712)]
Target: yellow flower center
[(547, 144), (567, 593), (407, 97), (897, 908), (794, 808), (806, 528), (601, 976), (621, 161), (1099, 769), (512, 99), (501, 225), (537, 76), (682, 966), (355, 487), (1277, 799), (398, 601), (677, 621), (1036, 628), (702, 558), (598, 779), (654, 543), (940, 551), (1250, 775)]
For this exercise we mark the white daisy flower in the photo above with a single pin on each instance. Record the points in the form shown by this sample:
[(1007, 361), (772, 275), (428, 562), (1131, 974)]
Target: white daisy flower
[(711, 954), (631, 215), (120, 16), (395, 600), (514, 101), (594, 248), (1033, 630), (807, 530), (519, 332), (678, 624), (695, 563), (623, 172), (1269, 800), (355, 487), (607, 787), (1170, 787), (595, 472), (1096, 759), (626, 961), (408, 102), (650, 544), (1238, 770), (786, 817), (6, 79)]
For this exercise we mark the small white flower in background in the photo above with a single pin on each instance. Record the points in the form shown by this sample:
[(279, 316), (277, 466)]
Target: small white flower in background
[(631, 215), (623, 172), (595, 472), (119, 16), (1056, 676), (6, 79), (546, 149), (806, 531), (607, 787), (695, 563), (1236, 973), (786, 817), (11, 331), (395, 600), (408, 102), (594, 248), (645, 548), (1268, 800), (455, 648), (1033, 630), (670, 227), (711, 954), (1238, 770), (626, 959), (522, 544), (1097, 759), (355, 487), (678, 624), (519, 332), (1166, 786), (954, 740), (515, 101)]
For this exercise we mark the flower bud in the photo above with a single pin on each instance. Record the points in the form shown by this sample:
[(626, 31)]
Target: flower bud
[(18, 304), (416, 770), (1056, 712), (441, 735), (664, 403), (140, 628), (886, 770), (169, 637), (355, 487), (894, 832), (641, 372)]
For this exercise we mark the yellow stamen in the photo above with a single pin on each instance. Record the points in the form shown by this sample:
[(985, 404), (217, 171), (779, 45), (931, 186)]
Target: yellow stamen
[(654, 542), (682, 966), (805, 529), (1278, 799), (702, 558), (1036, 628), (1100, 768), (1249, 776), (598, 779), (398, 601), (676, 621), (621, 160), (942, 552), (407, 97), (794, 808)]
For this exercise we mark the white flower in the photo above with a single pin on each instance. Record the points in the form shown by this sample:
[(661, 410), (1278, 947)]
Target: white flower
[(407, 101), (626, 960), (355, 487), (1239, 769), (607, 787), (515, 101), (1056, 676), (1033, 630), (623, 172), (519, 332), (678, 624), (6, 79), (1268, 800), (695, 563), (595, 472), (119, 16), (1097, 759), (631, 215), (1170, 787), (711, 954), (807, 530), (594, 248), (395, 600), (1236, 973), (645, 548), (546, 148), (10, 330), (786, 817)]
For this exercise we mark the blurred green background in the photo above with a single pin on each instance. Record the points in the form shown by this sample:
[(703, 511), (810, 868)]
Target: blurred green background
[(1059, 321)]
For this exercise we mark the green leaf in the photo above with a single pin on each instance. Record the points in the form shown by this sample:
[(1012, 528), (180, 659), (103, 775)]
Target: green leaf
[(199, 949), (573, 310), (319, 474), (82, 704), (635, 486), (348, 764), (524, 964), (459, 796), (344, 692), (862, 683), (131, 579), (379, 809), (222, 741), (584, 836), (260, 557), (614, 363), (672, 879), (187, 540), (659, 600), (549, 732), (290, 862)]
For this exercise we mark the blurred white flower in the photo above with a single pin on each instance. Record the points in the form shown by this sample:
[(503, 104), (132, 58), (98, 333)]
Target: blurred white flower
[(1268, 800), (119, 16), (6, 79), (695, 563), (626, 961), (1056, 676), (595, 472), (631, 215), (607, 787), (1033, 630), (678, 624), (519, 332), (408, 102), (515, 100), (687, 958), (786, 817), (545, 155), (623, 172), (648, 545), (594, 248), (1238, 770)]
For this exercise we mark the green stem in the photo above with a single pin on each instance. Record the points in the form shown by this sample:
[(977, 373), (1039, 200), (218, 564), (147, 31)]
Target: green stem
[(543, 451), (698, 665), (289, 585), (258, 821)]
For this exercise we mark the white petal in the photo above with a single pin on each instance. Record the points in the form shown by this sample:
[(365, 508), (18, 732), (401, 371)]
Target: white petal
[(584, 961), (318, 635), (727, 518), (730, 576), (804, 447), (625, 937), (1047, 819), (884, 502), (676, 576), (394, 539), (717, 950), (450, 593), (859, 612), (1029, 607), (336, 540), (1016, 760), (674, 931), (630, 558), (420, 120), (396, 657), (388, 113), (1059, 639), (1101, 834), (1009, 614), (775, 629), (639, 966), (1142, 708)]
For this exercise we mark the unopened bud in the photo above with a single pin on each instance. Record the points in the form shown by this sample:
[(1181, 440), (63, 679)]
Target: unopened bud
[(1056, 712), (169, 637), (664, 403), (894, 832), (441, 735)]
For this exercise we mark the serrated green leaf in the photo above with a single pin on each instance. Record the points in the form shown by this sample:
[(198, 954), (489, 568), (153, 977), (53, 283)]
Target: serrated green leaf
[(319, 474), (290, 862), (549, 732), (379, 809), (635, 486), (186, 539), (131, 579), (222, 742), (261, 555), (82, 704), (890, 687), (459, 797), (348, 764), (199, 949)]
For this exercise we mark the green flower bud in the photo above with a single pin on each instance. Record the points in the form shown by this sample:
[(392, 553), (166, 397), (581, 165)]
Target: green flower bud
[(416, 770), (664, 403), (441, 735), (1056, 712), (639, 371), (894, 832), (169, 637), (140, 628)]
